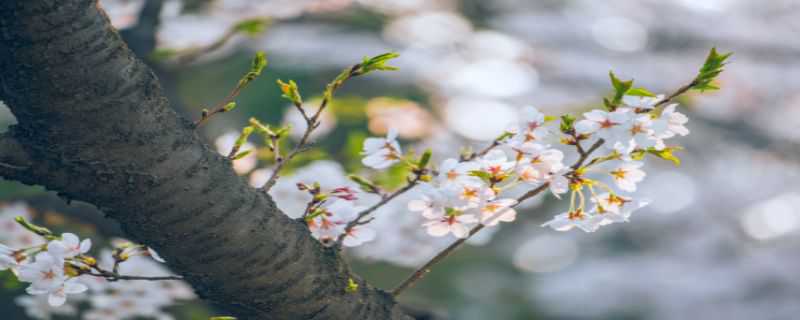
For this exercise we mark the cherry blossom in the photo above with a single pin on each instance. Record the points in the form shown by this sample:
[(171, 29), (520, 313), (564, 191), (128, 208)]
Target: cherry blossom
[(670, 123), (451, 171), (641, 102), (455, 222), (381, 153), (69, 246), (615, 208), (7, 260), (576, 218), (493, 212), (627, 174), (606, 125), (46, 275), (531, 128)]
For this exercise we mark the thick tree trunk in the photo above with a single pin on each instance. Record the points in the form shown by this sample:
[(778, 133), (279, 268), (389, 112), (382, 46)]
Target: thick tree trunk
[(94, 126)]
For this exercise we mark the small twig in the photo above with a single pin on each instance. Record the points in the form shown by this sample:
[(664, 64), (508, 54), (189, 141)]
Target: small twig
[(220, 107), (312, 123), (677, 93), (116, 277), (426, 268), (585, 155), (495, 143), (384, 200)]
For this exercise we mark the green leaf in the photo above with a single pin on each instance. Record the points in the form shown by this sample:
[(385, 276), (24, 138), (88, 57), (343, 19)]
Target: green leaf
[(222, 318), (567, 123), (485, 176), (712, 67), (425, 159), (378, 62), (256, 67), (364, 184), (352, 286), (639, 92), (667, 154), (230, 106), (241, 155), (290, 91), (620, 87), (246, 132)]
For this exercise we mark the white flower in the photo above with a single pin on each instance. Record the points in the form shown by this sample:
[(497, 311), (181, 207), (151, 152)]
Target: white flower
[(358, 235), (454, 222), (495, 163), (671, 123), (494, 211), (641, 102), (607, 125), (627, 175), (640, 135), (532, 127), (538, 162), (46, 275), (37, 307), (614, 208), (7, 259), (380, 153), (568, 220), (69, 246), (434, 201), (453, 172), (330, 224)]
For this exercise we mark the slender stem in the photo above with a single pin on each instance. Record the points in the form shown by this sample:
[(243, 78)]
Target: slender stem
[(386, 199), (426, 268), (311, 124), (116, 277), (677, 93), (585, 155), (220, 107), (495, 143)]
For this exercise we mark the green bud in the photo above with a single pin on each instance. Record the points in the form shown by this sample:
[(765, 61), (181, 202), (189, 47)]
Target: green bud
[(241, 154), (425, 159), (352, 286), (567, 123), (230, 106), (364, 184), (42, 231)]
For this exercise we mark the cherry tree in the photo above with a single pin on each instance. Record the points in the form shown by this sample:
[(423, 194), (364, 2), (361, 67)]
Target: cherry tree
[(94, 125)]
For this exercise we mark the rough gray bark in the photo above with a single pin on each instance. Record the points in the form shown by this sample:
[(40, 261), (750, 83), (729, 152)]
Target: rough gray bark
[(95, 126)]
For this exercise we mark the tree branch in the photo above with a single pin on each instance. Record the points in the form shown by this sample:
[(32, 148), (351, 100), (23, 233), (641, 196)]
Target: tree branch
[(95, 126)]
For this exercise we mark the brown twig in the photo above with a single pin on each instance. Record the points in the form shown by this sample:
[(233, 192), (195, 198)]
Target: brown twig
[(311, 124), (385, 199)]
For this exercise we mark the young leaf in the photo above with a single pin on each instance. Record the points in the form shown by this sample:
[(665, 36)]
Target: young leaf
[(620, 87), (640, 92), (710, 70), (252, 27), (667, 154)]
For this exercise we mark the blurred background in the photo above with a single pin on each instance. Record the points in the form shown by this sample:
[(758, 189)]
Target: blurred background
[(719, 240)]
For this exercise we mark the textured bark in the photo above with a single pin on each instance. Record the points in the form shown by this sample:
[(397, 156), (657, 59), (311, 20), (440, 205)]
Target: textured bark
[(95, 126)]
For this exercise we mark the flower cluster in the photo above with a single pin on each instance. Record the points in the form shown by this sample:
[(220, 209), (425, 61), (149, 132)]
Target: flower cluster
[(329, 213), (55, 267), (637, 127)]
